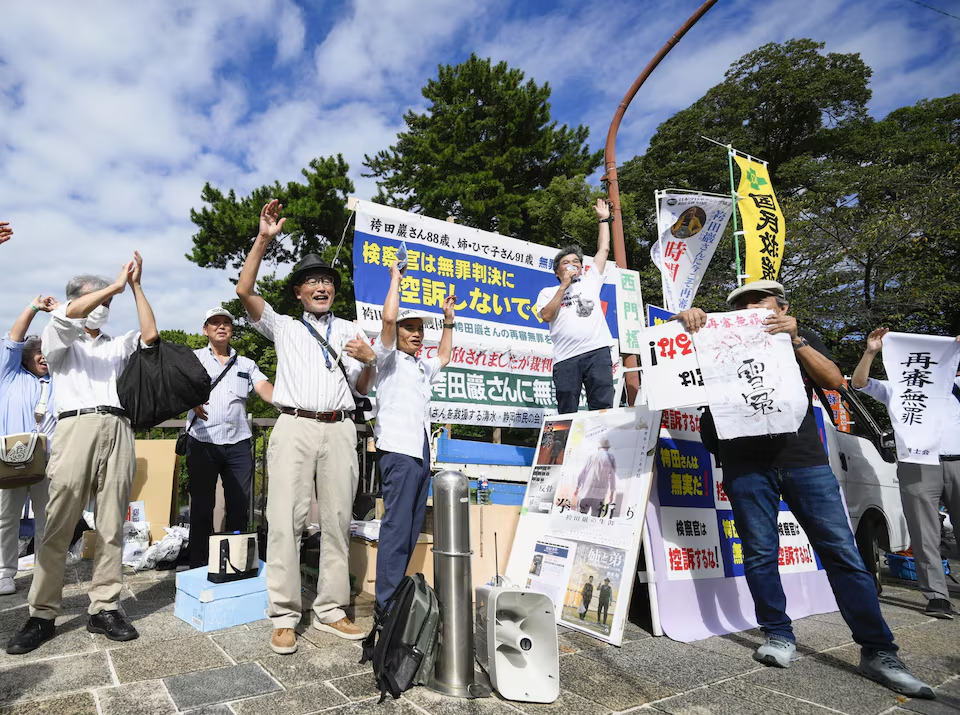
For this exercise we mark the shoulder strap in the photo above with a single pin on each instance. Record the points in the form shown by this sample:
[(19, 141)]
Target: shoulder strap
[(216, 382), (956, 391), (328, 347)]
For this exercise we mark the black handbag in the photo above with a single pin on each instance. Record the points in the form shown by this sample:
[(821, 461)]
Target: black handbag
[(181, 448), (160, 383)]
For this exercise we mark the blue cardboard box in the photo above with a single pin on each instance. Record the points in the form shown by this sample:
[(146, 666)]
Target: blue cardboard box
[(211, 606)]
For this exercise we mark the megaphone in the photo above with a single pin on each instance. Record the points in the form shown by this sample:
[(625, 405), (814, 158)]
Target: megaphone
[(516, 643)]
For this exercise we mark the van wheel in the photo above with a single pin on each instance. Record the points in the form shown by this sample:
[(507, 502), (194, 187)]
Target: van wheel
[(871, 537)]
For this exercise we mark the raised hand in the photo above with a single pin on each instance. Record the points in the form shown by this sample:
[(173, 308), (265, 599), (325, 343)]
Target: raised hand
[(133, 277), (120, 283), (396, 270), (45, 305), (602, 209), (6, 233), (449, 308), (270, 222), (875, 340)]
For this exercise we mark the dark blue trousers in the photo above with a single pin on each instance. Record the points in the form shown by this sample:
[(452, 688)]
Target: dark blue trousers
[(233, 463), (593, 371), (406, 483)]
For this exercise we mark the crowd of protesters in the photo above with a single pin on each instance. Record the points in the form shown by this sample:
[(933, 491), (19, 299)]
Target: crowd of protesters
[(63, 384)]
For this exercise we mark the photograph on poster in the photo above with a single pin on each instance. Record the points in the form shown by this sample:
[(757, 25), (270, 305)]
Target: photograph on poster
[(554, 441), (593, 587), (549, 568)]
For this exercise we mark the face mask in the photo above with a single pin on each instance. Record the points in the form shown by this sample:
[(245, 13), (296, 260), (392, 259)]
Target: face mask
[(97, 317)]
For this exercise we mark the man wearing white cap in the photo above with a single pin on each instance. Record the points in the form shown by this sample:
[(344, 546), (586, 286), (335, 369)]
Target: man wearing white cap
[(402, 431), (759, 471), (218, 436)]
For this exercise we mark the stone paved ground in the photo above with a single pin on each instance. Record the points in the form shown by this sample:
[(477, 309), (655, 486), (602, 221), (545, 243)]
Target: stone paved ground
[(172, 668)]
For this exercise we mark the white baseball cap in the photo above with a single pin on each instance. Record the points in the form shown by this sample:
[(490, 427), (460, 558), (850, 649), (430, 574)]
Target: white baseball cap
[(213, 312), (411, 313)]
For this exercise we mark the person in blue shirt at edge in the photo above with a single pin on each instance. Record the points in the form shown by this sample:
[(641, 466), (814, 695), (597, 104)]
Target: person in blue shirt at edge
[(578, 329), (758, 470), (26, 405), (218, 438), (402, 430)]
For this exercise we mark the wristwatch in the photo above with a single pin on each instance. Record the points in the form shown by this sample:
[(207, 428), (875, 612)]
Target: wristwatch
[(802, 344)]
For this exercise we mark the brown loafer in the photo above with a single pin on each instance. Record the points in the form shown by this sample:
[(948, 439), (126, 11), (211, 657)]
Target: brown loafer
[(283, 641), (344, 628)]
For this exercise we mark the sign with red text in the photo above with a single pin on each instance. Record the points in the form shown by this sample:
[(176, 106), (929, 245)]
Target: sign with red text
[(671, 373)]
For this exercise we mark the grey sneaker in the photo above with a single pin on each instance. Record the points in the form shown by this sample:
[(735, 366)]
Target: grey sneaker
[(888, 670), (776, 652)]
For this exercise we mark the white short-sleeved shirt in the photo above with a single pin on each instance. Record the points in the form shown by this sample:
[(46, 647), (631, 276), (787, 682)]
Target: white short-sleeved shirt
[(950, 436), (303, 380), (85, 369), (403, 400), (226, 421), (579, 326)]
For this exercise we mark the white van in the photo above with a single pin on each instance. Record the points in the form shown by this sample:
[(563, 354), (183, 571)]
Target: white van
[(864, 460)]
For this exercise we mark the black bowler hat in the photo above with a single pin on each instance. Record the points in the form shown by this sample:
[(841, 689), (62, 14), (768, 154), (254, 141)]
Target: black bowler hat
[(312, 263)]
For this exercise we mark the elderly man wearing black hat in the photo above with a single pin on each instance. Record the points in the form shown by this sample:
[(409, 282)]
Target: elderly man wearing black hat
[(322, 362), (758, 470)]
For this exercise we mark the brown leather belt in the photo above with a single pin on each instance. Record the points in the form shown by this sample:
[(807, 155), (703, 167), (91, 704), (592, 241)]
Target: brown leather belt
[(334, 416)]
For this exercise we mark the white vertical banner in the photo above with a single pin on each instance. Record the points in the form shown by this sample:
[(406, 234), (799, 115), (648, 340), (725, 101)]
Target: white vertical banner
[(921, 369), (752, 378), (689, 228), (629, 311)]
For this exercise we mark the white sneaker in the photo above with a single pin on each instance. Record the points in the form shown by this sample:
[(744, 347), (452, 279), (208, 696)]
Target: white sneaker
[(7, 586)]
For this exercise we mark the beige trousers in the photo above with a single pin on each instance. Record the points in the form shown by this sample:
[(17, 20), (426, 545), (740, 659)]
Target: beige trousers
[(305, 455), (92, 455), (11, 509)]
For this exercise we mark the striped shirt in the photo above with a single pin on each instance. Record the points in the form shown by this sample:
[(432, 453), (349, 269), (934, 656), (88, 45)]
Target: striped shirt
[(20, 392), (226, 421), (85, 368), (403, 400), (303, 380)]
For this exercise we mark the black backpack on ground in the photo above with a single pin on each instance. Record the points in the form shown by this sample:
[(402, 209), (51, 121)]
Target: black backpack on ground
[(160, 383), (403, 646)]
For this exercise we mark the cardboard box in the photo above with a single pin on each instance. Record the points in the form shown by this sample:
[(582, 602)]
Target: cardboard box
[(155, 483), (211, 606)]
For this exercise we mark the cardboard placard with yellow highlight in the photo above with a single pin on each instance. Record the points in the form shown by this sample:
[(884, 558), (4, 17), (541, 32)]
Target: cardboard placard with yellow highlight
[(763, 226)]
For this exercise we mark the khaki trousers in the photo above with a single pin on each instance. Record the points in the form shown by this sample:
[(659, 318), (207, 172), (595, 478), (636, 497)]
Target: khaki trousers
[(11, 509), (305, 455), (92, 455)]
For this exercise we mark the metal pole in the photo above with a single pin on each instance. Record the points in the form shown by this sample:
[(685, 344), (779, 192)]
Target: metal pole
[(454, 673), (610, 166)]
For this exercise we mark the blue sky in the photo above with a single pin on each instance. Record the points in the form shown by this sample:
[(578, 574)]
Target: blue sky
[(114, 114)]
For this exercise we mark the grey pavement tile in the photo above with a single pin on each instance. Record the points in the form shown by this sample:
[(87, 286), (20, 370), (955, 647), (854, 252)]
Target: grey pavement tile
[(74, 704), (736, 645), (43, 678), (315, 665), (165, 590), (931, 650), (895, 616), (634, 632), (147, 697), (246, 645), (220, 709), (150, 661), (371, 707), (207, 687), (763, 699), (68, 640), (829, 679), (947, 702), (814, 636), (358, 687), (581, 641), (437, 704), (298, 701), (569, 703), (321, 639), (714, 700), (154, 628), (610, 687), (678, 666)]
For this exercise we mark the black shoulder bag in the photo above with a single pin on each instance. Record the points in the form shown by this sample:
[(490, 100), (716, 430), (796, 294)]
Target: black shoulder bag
[(181, 447)]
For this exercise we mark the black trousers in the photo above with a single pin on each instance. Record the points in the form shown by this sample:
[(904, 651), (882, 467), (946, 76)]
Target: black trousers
[(233, 463)]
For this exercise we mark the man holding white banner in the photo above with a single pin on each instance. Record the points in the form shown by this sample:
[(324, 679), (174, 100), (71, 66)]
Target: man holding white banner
[(581, 338), (758, 470), (926, 423)]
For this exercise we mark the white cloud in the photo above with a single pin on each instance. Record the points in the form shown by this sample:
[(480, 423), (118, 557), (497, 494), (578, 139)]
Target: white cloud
[(115, 114)]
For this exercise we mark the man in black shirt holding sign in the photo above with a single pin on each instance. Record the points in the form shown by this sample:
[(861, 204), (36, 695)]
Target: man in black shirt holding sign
[(758, 470)]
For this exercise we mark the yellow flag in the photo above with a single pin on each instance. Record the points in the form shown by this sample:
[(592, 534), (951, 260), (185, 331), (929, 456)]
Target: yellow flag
[(763, 228)]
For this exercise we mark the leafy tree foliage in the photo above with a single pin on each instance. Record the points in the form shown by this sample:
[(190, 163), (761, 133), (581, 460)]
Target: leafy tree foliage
[(485, 144)]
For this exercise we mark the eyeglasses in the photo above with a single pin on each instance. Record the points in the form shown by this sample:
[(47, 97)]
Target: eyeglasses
[(314, 281)]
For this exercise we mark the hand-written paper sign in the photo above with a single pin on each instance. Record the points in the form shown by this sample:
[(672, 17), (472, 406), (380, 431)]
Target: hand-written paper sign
[(671, 374), (752, 379), (921, 369)]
